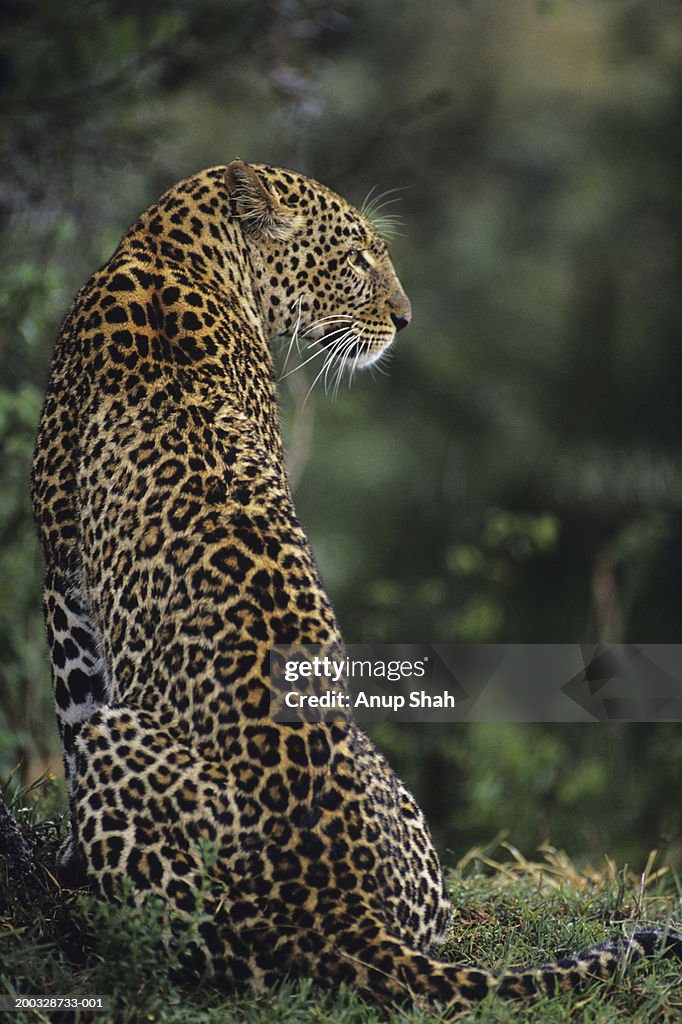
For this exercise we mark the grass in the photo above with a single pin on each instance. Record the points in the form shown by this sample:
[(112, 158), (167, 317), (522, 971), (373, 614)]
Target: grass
[(507, 911)]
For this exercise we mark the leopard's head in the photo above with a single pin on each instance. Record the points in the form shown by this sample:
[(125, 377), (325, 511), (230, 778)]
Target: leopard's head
[(320, 269)]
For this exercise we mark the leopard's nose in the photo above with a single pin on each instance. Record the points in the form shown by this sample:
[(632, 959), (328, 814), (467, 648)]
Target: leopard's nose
[(401, 321)]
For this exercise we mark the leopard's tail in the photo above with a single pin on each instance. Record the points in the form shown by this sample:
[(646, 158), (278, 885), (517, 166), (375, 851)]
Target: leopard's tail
[(602, 962), (364, 955)]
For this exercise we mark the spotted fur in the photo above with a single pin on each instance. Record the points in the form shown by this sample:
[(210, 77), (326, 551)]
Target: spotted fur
[(174, 561)]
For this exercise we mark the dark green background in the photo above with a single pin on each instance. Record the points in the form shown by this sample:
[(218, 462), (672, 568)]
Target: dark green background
[(515, 476)]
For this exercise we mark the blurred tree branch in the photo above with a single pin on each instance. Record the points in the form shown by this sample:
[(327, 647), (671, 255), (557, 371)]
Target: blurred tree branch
[(399, 120)]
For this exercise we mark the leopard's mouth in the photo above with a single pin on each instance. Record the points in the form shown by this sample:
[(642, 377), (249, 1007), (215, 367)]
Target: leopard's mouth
[(341, 338), (371, 353), (354, 347), (336, 335)]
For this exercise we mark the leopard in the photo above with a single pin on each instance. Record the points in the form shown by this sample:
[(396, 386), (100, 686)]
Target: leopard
[(175, 562)]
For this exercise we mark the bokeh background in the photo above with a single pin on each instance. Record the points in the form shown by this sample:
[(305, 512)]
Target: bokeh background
[(515, 476)]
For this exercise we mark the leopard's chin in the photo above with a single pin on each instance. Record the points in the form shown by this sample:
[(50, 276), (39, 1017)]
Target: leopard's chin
[(357, 351), (373, 352)]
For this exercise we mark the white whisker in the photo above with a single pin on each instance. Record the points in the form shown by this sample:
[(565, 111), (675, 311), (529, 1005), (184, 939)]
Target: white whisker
[(316, 353), (294, 334), (373, 203), (340, 319), (347, 355), (385, 224), (380, 364), (339, 371), (342, 357), (331, 354), (325, 368), (355, 361)]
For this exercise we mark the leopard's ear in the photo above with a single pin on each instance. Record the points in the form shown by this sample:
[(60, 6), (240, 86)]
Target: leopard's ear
[(258, 207)]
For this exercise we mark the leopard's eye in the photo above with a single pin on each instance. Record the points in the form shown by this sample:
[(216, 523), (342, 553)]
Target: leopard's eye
[(358, 259)]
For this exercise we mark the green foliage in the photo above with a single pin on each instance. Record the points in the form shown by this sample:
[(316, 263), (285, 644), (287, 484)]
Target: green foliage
[(581, 786), (27, 703)]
